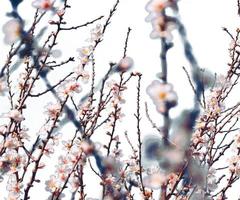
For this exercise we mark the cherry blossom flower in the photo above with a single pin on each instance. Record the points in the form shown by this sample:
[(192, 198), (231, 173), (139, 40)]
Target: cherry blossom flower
[(96, 33), (198, 138), (155, 180), (234, 165), (237, 140), (12, 142), (214, 106), (80, 71), (43, 4), (155, 7), (162, 24), (60, 12), (162, 27), (69, 88), (85, 51), (52, 185), (211, 179), (24, 81), (53, 110), (86, 147), (3, 86), (15, 115), (12, 30), (125, 64), (172, 179), (84, 54), (162, 95), (14, 187)]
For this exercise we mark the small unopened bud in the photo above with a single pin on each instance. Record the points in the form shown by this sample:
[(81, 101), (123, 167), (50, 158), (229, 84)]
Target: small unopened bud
[(61, 12), (52, 22)]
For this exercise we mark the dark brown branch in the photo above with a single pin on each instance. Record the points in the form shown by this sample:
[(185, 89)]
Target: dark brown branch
[(82, 25)]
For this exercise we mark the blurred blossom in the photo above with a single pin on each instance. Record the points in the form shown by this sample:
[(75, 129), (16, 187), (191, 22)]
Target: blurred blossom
[(3, 86), (53, 184), (56, 53), (11, 143), (69, 88), (87, 147), (15, 115), (222, 82), (24, 81), (162, 24), (43, 4), (111, 165), (196, 173), (12, 30), (170, 158), (14, 188), (206, 77), (155, 7), (53, 110), (200, 194), (211, 179), (96, 33), (80, 71), (163, 95), (125, 64), (90, 198), (198, 138), (162, 27), (155, 181), (237, 140), (152, 147), (234, 165)]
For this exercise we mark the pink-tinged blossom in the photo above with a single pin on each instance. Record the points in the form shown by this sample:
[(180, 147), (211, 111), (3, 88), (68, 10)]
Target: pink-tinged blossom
[(12, 31), (155, 180), (12, 142), (53, 184), (155, 7), (43, 4), (3, 86), (198, 138), (86, 147), (53, 110), (214, 106), (24, 81), (14, 187), (162, 28), (163, 95), (161, 23), (60, 12), (234, 165), (69, 88), (125, 64), (15, 115)]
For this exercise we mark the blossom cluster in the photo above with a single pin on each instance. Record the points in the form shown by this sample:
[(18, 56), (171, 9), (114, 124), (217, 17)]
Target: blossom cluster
[(82, 135)]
